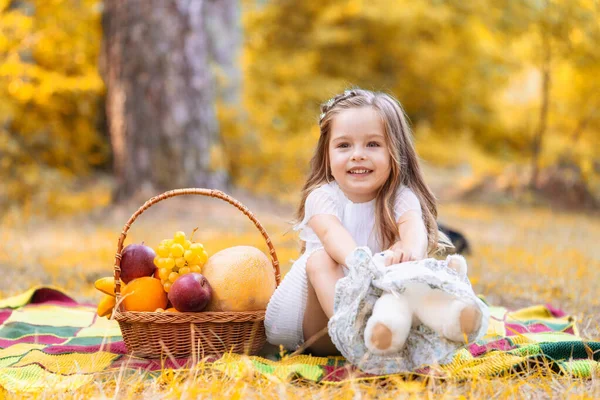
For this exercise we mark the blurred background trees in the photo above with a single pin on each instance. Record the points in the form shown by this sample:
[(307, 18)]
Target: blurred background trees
[(507, 92), (485, 84), (51, 98)]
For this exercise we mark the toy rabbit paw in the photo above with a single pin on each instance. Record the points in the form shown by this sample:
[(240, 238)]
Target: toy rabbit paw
[(388, 328)]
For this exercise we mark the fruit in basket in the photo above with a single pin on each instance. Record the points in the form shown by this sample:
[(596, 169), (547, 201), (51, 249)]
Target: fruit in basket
[(178, 256), (106, 305), (144, 294), (106, 285), (190, 293), (137, 260), (242, 279)]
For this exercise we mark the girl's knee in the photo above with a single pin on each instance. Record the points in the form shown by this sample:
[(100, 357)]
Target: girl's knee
[(320, 262)]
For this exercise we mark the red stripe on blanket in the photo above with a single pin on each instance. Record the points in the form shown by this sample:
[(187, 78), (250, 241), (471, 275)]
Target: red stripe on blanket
[(555, 311), (570, 330), (4, 314), (502, 344), (115, 347), (338, 374), (515, 329), (151, 364), (40, 339)]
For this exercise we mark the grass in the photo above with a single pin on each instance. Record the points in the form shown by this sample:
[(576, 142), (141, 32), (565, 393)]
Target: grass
[(520, 257)]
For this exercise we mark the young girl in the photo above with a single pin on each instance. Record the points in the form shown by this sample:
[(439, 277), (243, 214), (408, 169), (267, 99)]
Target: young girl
[(365, 188)]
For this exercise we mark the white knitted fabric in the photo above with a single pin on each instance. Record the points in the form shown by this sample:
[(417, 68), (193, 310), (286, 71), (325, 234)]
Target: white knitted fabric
[(285, 312)]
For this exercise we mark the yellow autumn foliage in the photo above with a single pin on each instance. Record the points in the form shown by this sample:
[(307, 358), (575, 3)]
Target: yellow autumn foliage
[(468, 74), (50, 98)]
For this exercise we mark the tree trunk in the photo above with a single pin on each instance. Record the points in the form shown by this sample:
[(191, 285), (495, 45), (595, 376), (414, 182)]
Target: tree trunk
[(224, 28), (543, 122), (223, 22), (160, 95)]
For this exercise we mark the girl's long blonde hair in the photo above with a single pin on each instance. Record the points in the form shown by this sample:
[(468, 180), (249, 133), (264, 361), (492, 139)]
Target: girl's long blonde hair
[(405, 167)]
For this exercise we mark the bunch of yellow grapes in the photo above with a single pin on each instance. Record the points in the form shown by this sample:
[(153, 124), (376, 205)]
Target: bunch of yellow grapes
[(178, 256)]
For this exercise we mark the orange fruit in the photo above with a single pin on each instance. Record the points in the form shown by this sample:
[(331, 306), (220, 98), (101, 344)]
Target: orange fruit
[(144, 294), (171, 309)]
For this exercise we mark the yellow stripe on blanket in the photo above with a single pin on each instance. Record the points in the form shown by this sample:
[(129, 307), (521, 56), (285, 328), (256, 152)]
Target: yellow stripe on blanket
[(102, 327), (8, 361), (544, 337), (496, 329), (19, 349), (487, 365), (33, 379), (293, 360), (299, 359), (237, 366), (71, 363), (51, 315), (498, 312), (22, 299), (533, 312)]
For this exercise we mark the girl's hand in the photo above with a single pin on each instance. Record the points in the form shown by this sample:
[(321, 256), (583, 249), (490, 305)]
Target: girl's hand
[(399, 255)]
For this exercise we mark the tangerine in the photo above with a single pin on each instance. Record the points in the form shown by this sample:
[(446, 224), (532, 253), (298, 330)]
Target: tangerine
[(144, 294)]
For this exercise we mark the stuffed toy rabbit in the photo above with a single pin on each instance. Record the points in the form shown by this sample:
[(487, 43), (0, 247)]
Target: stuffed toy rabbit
[(394, 314), (390, 319)]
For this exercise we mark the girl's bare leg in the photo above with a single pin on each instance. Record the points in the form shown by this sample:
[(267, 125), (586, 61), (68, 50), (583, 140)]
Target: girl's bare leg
[(323, 273)]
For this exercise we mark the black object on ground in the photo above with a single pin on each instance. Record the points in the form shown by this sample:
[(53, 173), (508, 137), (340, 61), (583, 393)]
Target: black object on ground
[(460, 242)]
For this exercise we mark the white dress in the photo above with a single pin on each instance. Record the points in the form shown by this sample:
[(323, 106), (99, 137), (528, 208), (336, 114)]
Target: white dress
[(285, 311)]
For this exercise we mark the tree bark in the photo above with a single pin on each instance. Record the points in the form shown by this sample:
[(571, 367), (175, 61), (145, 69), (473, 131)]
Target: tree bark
[(160, 95), (223, 22)]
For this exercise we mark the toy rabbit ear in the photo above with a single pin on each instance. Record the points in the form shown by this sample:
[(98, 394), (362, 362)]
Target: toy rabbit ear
[(457, 263)]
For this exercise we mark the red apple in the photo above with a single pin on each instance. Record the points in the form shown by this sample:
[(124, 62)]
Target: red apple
[(137, 260), (190, 292)]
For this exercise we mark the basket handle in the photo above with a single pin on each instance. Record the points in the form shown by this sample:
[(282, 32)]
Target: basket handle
[(203, 192)]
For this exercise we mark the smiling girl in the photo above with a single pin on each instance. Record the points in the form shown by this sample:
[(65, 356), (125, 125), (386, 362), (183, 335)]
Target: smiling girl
[(365, 188)]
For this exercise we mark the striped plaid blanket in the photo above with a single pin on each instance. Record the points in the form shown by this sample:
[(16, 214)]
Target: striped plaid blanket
[(49, 340)]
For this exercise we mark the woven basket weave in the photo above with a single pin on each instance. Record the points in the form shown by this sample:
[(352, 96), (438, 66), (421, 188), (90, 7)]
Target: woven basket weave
[(158, 334)]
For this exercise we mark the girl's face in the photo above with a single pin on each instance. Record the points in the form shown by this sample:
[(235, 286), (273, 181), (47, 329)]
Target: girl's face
[(359, 158)]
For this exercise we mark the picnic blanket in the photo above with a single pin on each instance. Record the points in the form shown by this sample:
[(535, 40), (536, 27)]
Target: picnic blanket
[(48, 340)]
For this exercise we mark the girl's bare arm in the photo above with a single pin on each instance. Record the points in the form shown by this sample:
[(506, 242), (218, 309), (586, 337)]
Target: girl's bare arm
[(413, 239), (336, 240)]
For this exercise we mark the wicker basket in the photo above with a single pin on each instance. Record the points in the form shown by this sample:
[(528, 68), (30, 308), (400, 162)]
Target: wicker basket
[(158, 334)]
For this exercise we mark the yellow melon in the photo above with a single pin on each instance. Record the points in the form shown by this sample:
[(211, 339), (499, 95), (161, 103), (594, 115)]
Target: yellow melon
[(242, 279)]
